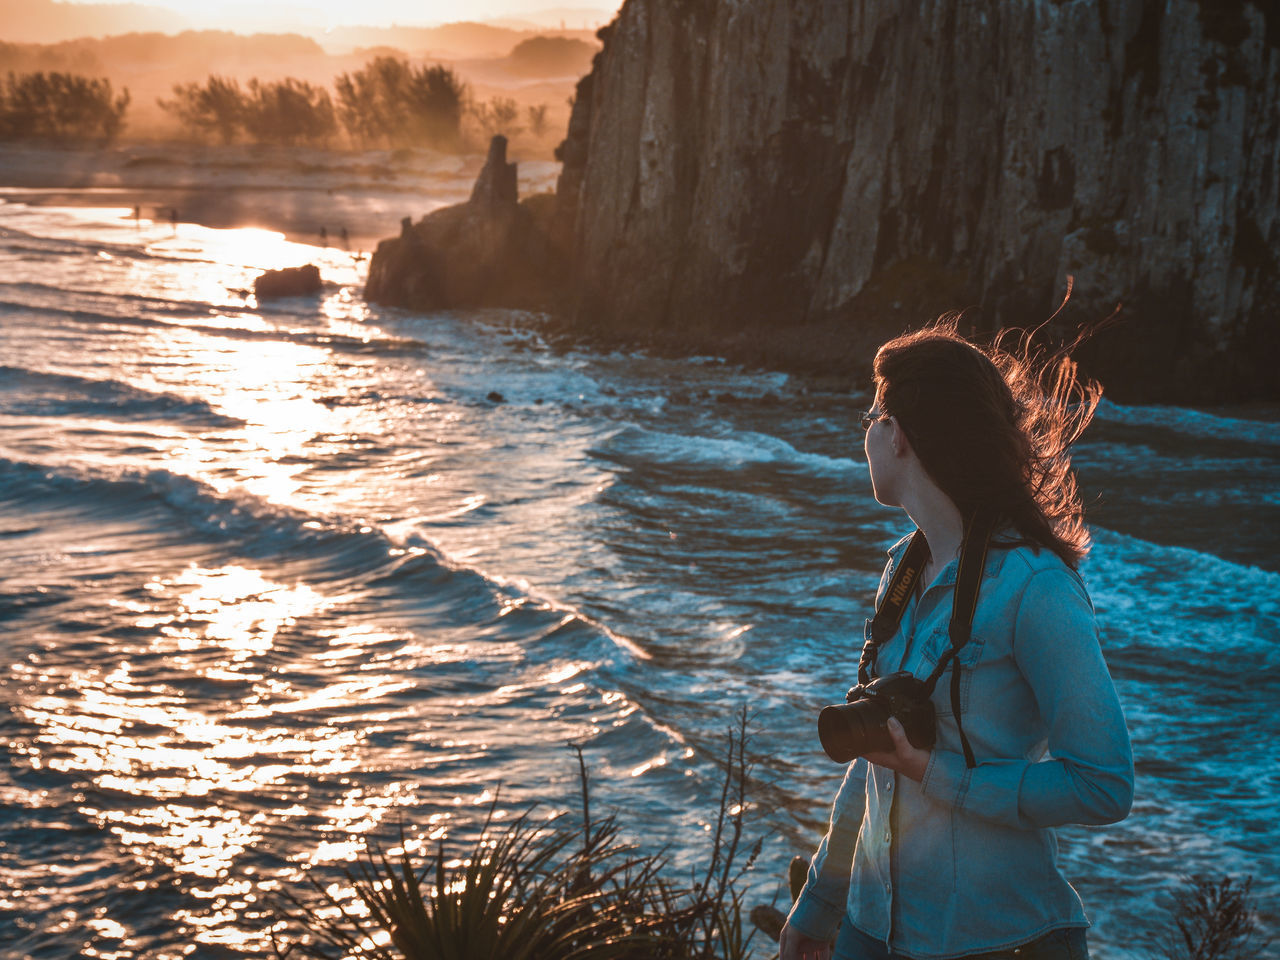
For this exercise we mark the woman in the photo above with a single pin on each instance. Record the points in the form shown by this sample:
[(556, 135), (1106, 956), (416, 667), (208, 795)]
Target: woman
[(928, 855)]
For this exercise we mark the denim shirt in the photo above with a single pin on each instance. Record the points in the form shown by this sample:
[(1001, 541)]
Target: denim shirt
[(966, 860)]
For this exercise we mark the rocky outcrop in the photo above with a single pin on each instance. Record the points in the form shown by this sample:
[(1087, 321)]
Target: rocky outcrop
[(289, 282), (808, 174), (492, 251)]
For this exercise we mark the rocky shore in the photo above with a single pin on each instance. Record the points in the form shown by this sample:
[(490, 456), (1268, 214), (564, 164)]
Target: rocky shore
[(789, 182)]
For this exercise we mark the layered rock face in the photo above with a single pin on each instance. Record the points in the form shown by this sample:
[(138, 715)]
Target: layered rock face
[(829, 170)]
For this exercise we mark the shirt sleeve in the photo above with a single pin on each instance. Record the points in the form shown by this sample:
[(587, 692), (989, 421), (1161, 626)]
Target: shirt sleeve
[(821, 905), (1088, 774)]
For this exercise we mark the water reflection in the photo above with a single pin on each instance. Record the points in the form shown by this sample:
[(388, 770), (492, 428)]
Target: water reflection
[(175, 724), (238, 609)]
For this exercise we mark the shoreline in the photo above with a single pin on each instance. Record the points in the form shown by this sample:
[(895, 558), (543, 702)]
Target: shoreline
[(295, 191), (225, 210)]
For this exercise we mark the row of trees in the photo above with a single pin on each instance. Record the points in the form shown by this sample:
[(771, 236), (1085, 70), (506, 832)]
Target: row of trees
[(287, 112), (62, 107), (388, 102)]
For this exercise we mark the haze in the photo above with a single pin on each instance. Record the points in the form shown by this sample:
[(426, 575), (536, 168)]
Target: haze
[(45, 21)]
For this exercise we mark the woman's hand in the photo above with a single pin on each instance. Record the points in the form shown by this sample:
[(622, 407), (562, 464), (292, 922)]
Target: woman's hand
[(794, 945), (906, 759)]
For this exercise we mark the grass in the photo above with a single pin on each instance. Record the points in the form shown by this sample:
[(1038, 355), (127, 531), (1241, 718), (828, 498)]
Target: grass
[(537, 891)]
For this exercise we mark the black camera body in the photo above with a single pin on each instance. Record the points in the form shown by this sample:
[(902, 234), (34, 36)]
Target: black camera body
[(861, 725)]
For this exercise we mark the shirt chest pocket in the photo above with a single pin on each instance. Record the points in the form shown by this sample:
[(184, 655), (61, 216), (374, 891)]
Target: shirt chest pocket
[(929, 649)]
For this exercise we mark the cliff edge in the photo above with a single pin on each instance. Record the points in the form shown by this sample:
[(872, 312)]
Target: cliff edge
[(808, 175)]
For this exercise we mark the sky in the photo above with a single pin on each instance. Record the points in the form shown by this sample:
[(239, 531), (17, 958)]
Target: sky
[(313, 14)]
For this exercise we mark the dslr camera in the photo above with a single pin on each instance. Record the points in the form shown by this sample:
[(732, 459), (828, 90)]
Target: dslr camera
[(861, 725)]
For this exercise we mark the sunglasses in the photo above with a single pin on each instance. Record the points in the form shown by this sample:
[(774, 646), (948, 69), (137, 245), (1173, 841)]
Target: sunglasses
[(869, 418)]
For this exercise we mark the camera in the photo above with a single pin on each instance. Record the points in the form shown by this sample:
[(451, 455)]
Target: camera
[(861, 725)]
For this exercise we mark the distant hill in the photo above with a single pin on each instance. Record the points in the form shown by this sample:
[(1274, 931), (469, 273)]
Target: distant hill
[(199, 46), (453, 41), (551, 57), (191, 53), (47, 21), (65, 58)]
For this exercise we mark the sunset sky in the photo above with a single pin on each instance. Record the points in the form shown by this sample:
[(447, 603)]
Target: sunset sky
[(237, 14)]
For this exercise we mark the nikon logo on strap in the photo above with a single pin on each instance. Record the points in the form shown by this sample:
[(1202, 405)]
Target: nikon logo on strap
[(903, 585)]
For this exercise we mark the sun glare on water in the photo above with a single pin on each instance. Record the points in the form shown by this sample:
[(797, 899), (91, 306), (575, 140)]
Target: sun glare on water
[(203, 711)]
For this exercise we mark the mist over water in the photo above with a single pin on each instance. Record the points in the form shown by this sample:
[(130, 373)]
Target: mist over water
[(278, 580)]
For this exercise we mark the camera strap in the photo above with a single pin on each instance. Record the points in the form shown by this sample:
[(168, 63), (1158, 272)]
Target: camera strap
[(964, 604), (882, 627)]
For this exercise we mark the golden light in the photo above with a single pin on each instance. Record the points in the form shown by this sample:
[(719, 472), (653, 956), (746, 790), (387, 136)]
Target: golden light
[(322, 14)]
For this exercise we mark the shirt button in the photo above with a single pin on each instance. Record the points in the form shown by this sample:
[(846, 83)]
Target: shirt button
[(887, 838), (888, 887), (889, 786)]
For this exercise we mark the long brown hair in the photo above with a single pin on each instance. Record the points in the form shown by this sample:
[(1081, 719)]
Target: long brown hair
[(993, 427)]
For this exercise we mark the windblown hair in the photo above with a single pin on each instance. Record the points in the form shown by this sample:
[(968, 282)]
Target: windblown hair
[(993, 427)]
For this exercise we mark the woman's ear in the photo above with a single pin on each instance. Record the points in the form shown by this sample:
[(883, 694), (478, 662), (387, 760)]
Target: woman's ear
[(901, 445)]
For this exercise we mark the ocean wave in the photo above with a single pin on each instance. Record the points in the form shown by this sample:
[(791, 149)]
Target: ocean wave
[(21, 243), (1192, 422), (1186, 606), (40, 296), (36, 393), (637, 446), (409, 576), (326, 339), (77, 315), (256, 527)]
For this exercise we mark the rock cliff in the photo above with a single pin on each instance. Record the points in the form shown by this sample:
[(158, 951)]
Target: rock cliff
[(805, 175)]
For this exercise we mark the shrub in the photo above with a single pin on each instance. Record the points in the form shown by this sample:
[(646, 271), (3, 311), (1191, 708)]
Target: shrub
[(62, 107), (1214, 920)]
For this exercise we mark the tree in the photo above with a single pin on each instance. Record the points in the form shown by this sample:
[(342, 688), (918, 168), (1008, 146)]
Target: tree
[(62, 107), (288, 112), (364, 100), (218, 106), (498, 115), (435, 99), (537, 119), (388, 101)]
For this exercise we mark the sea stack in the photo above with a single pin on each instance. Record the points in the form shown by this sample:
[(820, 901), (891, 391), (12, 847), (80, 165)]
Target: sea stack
[(492, 251)]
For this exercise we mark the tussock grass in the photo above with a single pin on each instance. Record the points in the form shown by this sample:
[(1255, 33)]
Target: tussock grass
[(537, 891)]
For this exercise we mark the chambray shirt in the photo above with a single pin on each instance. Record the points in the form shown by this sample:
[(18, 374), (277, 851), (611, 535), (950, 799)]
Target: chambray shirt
[(965, 861)]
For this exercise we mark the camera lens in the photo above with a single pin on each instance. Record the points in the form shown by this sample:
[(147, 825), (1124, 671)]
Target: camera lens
[(850, 730)]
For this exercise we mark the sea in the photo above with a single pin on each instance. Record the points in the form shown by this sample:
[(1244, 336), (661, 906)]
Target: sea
[(282, 580)]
